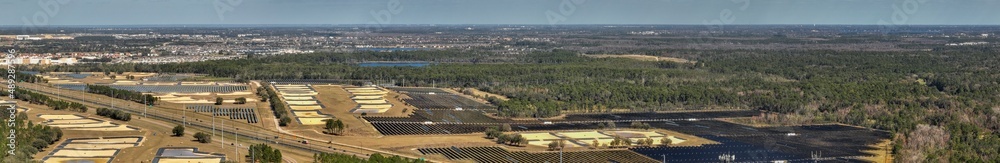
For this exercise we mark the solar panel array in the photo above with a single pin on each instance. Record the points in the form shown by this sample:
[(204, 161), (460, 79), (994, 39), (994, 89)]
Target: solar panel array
[(167, 88), (500, 155), (247, 113)]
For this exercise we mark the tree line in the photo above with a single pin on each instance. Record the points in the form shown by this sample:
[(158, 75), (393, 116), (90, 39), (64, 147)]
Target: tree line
[(133, 96), (41, 99), (114, 114)]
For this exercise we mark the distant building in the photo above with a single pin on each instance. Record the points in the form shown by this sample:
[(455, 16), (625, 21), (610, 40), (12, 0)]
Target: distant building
[(39, 61)]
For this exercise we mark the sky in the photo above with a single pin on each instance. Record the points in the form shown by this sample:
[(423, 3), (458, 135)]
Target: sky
[(696, 12)]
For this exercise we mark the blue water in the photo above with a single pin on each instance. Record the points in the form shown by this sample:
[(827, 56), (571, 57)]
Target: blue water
[(393, 64)]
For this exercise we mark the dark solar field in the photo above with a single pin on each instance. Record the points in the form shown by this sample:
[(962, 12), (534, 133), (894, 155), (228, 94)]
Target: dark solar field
[(166, 88), (246, 113), (837, 143), (500, 155)]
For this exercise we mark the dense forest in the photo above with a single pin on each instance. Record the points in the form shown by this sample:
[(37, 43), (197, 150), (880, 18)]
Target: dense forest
[(29, 138), (950, 92)]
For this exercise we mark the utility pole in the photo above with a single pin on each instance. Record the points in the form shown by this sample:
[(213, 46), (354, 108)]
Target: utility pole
[(213, 122), (184, 117), (223, 134)]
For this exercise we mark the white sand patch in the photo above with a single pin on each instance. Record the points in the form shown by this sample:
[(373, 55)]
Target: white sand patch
[(116, 128), (125, 82), (59, 116), (308, 107), (539, 136), (193, 94), (190, 160), (193, 102), (300, 94), (369, 93), (378, 106), (369, 110), (85, 153), (583, 135), (75, 159), (68, 126), (366, 97), (380, 101), (312, 121), (71, 121), (298, 98), (98, 146), (309, 114), (107, 140), (302, 102), (235, 93)]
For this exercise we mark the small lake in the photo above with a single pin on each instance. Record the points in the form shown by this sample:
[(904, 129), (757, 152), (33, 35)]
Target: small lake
[(394, 64)]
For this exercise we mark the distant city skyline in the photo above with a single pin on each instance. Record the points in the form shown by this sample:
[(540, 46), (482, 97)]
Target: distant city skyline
[(556, 12)]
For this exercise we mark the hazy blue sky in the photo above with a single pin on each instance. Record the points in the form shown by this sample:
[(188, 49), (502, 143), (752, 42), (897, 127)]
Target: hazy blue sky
[(133, 12)]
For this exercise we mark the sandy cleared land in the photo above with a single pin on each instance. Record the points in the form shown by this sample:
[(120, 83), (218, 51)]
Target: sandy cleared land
[(302, 102), (108, 140), (312, 121), (59, 116), (635, 133), (361, 88), (309, 114), (300, 93), (380, 93), (70, 126), (485, 95), (174, 98), (190, 160), (98, 146), (364, 91), (309, 107), (379, 101), (193, 94), (545, 143), (539, 136), (86, 152), (642, 57), (125, 82), (583, 134), (366, 97), (76, 160), (241, 93), (72, 121), (374, 106), (298, 98)]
